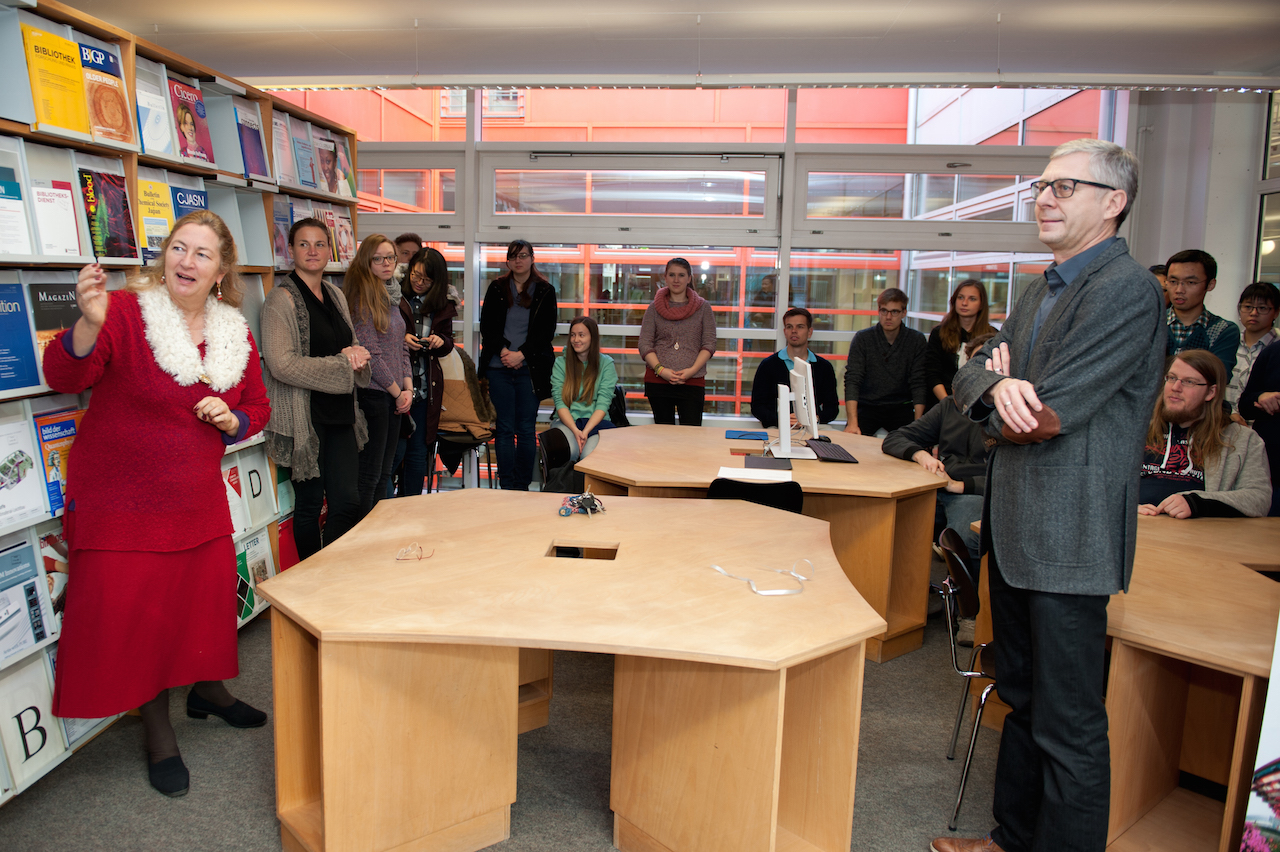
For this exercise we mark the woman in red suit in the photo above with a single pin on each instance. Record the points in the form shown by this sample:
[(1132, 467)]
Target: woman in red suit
[(175, 378)]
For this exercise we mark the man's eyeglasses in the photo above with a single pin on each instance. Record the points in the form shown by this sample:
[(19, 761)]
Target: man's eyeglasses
[(891, 312), (1255, 309), (1063, 187), (1186, 383), (1184, 282), (383, 258)]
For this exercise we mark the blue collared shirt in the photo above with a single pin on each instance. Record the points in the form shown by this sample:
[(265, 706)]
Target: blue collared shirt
[(791, 365), (1059, 275)]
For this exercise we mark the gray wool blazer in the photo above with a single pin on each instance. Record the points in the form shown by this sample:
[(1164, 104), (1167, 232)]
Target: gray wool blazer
[(1062, 514)]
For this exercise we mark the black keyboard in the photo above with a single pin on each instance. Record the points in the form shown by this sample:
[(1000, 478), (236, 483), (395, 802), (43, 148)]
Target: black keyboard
[(831, 452)]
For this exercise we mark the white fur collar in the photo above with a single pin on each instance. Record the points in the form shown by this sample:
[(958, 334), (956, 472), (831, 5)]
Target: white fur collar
[(226, 336)]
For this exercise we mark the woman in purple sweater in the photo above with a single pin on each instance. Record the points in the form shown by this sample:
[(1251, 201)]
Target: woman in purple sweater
[(677, 339), (379, 326)]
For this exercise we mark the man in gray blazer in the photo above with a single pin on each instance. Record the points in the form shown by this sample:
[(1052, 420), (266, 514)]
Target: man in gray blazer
[(1066, 389)]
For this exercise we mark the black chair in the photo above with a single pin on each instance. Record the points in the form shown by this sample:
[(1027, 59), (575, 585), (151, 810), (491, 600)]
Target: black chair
[(787, 496), (449, 448), (959, 593), (618, 407), (553, 452)]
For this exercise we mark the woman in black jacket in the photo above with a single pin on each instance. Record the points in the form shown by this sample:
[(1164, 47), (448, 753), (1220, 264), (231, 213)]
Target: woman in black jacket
[(517, 327), (428, 313)]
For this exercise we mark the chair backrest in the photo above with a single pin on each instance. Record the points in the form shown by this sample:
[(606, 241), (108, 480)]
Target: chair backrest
[(555, 450), (465, 406), (787, 496), (956, 554), (618, 407)]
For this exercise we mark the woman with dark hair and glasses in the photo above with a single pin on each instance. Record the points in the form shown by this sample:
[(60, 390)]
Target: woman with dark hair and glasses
[(677, 339), (428, 311), (517, 327)]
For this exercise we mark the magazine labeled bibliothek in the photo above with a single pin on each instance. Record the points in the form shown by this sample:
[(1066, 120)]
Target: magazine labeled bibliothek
[(111, 119), (55, 195), (190, 121), (57, 82), (26, 614)]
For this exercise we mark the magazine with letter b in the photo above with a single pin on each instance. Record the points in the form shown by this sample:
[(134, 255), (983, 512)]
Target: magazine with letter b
[(110, 117)]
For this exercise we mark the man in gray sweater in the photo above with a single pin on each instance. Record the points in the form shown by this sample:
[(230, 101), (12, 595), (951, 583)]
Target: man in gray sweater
[(884, 379)]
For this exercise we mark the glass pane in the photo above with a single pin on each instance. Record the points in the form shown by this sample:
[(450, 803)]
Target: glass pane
[(638, 115), (407, 190), (561, 265), (840, 288), (1268, 255), (1023, 275), (933, 192), (863, 116), (647, 192), (389, 115), (1273, 146), (835, 195), (1073, 118), (971, 186)]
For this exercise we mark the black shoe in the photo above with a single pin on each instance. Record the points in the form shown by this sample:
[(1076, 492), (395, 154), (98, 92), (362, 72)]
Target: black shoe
[(170, 776), (238, 715)]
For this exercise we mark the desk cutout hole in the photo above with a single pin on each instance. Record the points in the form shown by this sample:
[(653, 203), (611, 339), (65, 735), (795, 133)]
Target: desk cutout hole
[(577, 549)]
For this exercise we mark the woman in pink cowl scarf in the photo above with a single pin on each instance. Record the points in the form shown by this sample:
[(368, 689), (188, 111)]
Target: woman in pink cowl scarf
[(677, 339)]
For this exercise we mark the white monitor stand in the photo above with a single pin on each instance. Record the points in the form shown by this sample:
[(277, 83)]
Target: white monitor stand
[(800, 394)]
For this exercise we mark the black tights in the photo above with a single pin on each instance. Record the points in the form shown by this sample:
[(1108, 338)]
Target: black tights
[(162, 743)]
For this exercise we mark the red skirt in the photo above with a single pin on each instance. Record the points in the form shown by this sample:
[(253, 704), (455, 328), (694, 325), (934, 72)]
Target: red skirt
[(138, 622)]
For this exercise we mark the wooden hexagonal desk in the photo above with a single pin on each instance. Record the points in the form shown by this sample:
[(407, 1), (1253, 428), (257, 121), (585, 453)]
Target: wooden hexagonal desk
[(735, 715)]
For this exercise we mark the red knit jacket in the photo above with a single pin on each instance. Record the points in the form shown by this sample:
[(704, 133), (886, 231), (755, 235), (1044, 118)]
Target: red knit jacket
[(144, 472)]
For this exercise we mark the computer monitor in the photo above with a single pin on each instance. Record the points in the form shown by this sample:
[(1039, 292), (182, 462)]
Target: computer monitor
[(799, 395)]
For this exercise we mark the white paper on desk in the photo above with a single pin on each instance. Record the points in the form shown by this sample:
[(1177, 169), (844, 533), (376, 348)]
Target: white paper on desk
[(754, 474)]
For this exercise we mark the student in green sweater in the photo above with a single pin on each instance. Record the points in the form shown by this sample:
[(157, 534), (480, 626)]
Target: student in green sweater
[(582, 383)]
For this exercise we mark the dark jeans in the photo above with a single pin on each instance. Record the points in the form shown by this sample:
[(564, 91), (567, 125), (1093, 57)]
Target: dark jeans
[(665, 399), (379, 453), (415, 451), (336, 484), (1053, 775), (872, 417), (511, 392)]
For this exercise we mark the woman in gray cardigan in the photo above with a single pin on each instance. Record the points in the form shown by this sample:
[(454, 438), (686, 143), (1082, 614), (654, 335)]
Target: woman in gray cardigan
[(314, 364), (677, 339)]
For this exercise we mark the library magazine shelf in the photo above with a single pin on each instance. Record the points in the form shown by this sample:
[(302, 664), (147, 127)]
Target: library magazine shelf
[(110, 141)]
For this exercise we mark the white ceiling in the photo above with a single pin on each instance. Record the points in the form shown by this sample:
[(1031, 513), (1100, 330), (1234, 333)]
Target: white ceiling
[(663, 42)]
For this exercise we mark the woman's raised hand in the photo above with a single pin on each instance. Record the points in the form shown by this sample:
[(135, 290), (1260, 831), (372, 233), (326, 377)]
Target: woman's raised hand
[(91, 295)]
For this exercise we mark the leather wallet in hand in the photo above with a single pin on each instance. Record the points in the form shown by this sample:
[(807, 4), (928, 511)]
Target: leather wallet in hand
[(1048, 426)]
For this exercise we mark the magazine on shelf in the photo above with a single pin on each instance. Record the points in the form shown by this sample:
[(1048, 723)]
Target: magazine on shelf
[(155, 124), (22, 496), (55, 432), (155, 208), (188, 194), (74, 729), (282, 150), (16, 104), (57, 82), (288, 546), (189, 121), (254, 565), (345, 236), (18, 370), (328, 175), (53, 303), (111, 119), (15, 235), (249, 126), (106, 204), (280, 224), (345, 167), (26, 614), (55, 194), (304, 154), (30, 732), (299, 209), (235, 495), (54, 559), (324, 212), (255, 480)]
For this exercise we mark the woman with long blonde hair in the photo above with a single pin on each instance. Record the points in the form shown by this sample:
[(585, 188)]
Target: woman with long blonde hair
[(582, 383), (380, 327)]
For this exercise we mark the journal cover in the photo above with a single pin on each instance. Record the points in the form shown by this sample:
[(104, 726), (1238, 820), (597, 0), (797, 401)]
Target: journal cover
[(57, 81), (110, 118), (53, 308), (282, 150), (106, 203), (185, 200), (155, 204), (249, 126), (190, 121), (56, 218), (28, 729), (56, 431), (17, 356), (15, 236)]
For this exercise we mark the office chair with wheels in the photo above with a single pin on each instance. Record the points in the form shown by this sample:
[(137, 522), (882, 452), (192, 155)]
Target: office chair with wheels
[(787, 496), (959, 593)]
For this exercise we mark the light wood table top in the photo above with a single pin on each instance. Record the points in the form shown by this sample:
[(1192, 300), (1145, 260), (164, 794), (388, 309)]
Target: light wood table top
[(1191, 599), (491, 581), (686, 457)]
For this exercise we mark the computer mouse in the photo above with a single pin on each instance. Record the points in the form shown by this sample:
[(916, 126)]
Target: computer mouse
[(823, 438)]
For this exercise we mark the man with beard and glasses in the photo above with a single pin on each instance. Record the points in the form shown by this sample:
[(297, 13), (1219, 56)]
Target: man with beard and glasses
[(1197, 462)]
